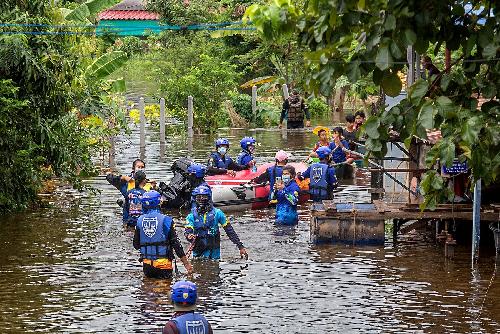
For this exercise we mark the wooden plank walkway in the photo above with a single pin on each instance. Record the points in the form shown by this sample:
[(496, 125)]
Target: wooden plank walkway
[(406, 211)]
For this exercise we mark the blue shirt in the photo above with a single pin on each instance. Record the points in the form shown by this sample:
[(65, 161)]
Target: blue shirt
[(286, 208), (338, 155)]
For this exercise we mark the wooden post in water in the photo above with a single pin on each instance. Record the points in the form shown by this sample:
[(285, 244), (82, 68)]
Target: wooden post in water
[(142, 140), (162, 121), (254, 103), (112, 146), (286, 95), (190, 116), (476, 221)]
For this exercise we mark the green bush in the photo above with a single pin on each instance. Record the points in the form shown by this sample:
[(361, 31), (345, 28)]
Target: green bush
[(209, 81), (242, 104), (317, 107), (268, 114), (131, 45)]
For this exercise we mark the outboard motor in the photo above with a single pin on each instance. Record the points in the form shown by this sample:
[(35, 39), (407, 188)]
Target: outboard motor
[(178, 192)]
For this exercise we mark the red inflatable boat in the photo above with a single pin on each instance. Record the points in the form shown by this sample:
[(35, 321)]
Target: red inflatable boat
[(234, 193)]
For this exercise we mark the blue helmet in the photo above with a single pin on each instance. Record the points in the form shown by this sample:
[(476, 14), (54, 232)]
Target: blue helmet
[(198, 170), (184, 293), (246, 141), (202, 190), (150, 199), (221, 141), (323, 152)]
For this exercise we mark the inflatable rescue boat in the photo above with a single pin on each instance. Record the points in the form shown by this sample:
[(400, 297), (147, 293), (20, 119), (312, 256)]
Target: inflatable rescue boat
[(235, 193)]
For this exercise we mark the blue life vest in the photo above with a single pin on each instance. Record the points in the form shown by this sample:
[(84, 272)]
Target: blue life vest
[(202, 227), (244, 158), (206, 231), (318, 187), (152, 235), (274, 172), (134, 202), (219, 161), (191, 323)]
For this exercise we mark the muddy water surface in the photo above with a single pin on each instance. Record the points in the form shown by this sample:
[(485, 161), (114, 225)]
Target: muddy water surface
[(71, 268)]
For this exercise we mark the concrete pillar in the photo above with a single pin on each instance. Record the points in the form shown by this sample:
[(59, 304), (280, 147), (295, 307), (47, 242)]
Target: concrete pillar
[(190, 116), (142, 139), (254, 103), (162, 121), (476, 220)]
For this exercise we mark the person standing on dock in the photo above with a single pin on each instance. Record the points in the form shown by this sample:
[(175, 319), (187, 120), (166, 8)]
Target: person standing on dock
[(359, 119), (202, 227), (338, 145), (287, 196), (220, 162), (246, 158), (322, 176), (156, 239), (350, 132), (294, 109), (185, 320)]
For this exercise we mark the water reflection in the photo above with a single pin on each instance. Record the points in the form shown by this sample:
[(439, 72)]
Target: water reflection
[(71, 268)]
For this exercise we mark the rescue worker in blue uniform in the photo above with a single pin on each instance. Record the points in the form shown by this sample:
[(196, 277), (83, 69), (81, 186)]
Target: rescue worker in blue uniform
[(124, 183), (185, 320), (219, 162), (272, 173), (321, 175), (133, 199), (156, 239), (202, 227), (245, 158), (287, 196), (197, 172)]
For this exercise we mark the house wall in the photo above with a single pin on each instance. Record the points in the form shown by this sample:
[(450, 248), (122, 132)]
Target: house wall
[(129, 27)]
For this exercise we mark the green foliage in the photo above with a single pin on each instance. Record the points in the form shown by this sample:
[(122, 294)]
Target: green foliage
[(131, 45), (210, 81), (105, 65), (89, 9), (151, 113), (242, 103), (368, 39), (318, 107), (43, 93), (267, 114)]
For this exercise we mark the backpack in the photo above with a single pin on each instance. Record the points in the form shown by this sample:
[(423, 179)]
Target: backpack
[(295, 113)]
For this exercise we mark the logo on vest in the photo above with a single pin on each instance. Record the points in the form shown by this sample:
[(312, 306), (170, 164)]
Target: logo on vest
[(195, 327), (149, 226), (317, 174)]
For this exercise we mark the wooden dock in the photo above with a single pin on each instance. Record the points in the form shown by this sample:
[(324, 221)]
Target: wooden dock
[(388, 211)]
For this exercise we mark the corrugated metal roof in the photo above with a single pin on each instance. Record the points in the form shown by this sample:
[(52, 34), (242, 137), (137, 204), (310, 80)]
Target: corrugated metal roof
[(128, 15), (129, 5)]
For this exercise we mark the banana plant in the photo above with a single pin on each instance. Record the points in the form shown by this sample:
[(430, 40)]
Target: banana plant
[(89, 9)]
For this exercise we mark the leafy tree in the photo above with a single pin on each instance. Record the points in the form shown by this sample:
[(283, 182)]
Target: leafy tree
[(46, 81), (370, 38), (209, 81)]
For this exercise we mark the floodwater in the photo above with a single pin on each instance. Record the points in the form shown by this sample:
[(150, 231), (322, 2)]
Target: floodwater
[(71, 268)]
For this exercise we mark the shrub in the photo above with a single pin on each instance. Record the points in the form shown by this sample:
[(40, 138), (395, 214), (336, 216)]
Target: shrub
[(151, 112), (317, 107)]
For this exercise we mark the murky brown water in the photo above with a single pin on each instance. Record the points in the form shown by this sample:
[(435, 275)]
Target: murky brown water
[(72, 269)]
